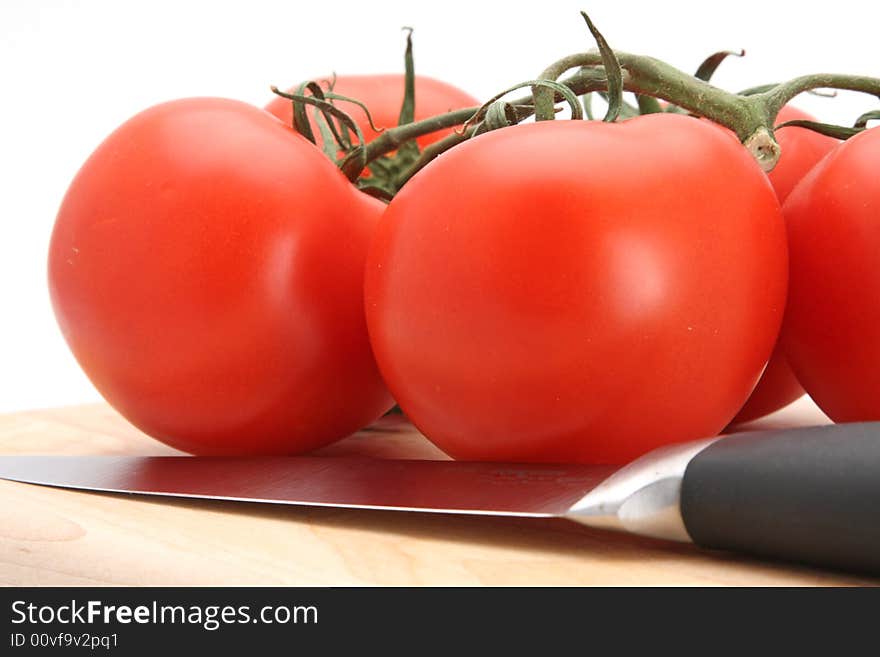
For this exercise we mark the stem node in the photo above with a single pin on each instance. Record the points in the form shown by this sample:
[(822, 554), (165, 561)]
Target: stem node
[(763, 147)]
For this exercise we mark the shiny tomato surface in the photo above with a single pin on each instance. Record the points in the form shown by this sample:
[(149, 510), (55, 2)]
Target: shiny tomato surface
[(578, 291), (832, 324), (206, 269)]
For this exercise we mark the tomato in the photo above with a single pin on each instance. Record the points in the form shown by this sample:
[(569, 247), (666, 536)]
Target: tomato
[(578, 291), (832, 324), (383, 95), (777, 387), (206, 269), (801, 150)]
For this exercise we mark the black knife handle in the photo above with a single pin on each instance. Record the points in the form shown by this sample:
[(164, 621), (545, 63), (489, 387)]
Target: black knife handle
[(810, 495)]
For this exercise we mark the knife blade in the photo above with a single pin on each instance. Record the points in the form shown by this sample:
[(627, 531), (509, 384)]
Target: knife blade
[(810, 494)]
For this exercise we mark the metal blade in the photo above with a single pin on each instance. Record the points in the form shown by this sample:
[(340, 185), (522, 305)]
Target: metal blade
[(428, 486)]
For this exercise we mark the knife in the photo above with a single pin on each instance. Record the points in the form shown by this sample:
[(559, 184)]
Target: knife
[(809, 495)]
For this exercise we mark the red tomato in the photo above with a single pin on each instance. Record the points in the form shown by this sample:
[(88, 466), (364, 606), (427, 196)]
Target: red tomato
[(206, 269), (778, 387), (578, 291), (832, 323), (801, 150), (383, 95)]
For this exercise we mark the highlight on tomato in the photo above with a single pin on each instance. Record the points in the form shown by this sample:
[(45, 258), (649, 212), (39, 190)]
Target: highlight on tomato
[(578, 291), (831, 333), (206, 269)]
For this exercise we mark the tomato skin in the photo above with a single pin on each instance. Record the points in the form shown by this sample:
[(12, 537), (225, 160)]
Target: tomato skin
[(802, 149), (383, 95), (206, 270), (777, 388), (831, 332), (589, 291)]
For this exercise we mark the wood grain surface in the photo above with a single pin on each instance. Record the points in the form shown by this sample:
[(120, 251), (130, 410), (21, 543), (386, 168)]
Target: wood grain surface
[(57, 537)]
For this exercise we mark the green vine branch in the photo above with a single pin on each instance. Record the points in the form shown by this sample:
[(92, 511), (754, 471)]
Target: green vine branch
[(750, 114)]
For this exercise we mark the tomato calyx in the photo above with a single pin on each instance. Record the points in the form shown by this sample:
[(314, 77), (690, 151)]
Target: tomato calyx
[(335, 127), (386, 169), (333, 123)]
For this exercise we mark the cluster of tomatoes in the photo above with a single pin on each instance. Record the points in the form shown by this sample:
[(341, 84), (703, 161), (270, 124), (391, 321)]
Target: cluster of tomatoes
[(553, 291)]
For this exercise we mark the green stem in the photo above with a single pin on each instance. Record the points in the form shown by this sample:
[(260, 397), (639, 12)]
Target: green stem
[(393, 138), (651, 77), (435, 149), (751, 117), (646, 76), (776, 97), (648, 105)]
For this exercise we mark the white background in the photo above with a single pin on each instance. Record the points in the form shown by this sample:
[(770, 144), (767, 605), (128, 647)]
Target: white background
[(72, 71)]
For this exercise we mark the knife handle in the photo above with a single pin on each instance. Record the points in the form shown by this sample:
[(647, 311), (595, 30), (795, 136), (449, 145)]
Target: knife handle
[(810, 495)]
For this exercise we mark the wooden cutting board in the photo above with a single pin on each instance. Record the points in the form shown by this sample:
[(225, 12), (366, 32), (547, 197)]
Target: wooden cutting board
[(57, 537)]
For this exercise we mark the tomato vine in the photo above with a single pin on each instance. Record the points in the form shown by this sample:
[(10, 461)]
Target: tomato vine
[(749, 114)]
